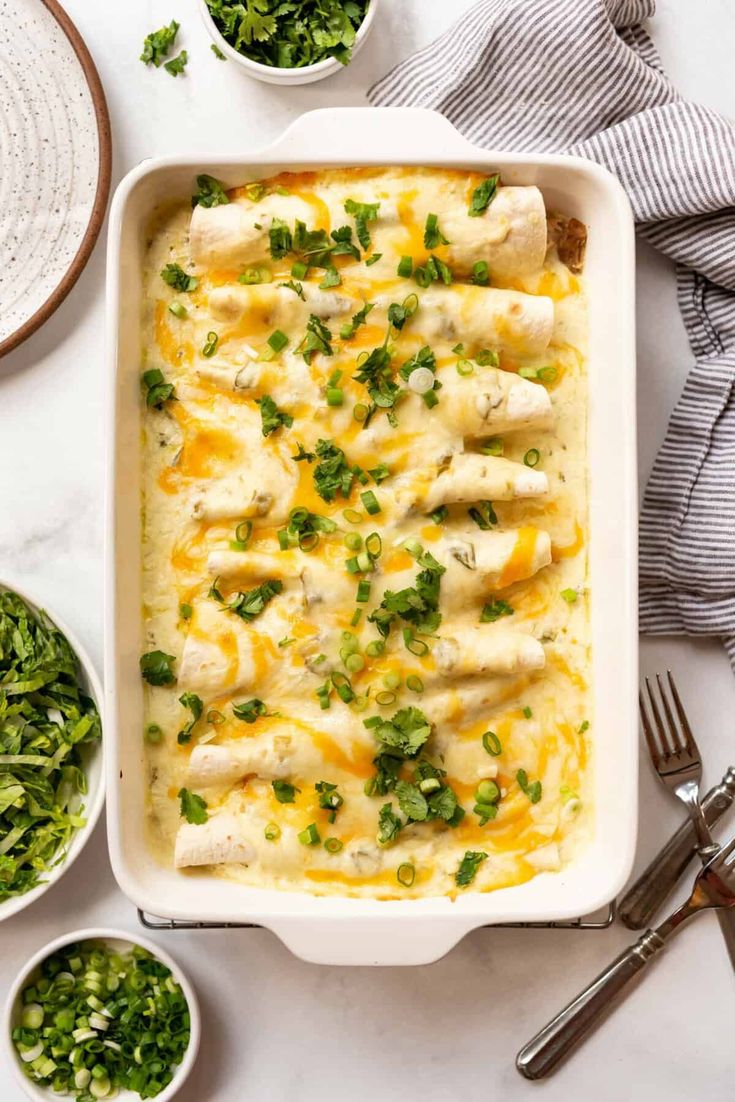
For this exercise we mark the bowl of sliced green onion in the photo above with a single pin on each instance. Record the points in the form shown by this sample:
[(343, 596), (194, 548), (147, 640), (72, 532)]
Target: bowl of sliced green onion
[(51, 768), (99, 1014)]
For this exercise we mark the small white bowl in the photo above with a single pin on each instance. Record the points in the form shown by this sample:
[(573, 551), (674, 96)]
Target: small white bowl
[(94, 766), (269, 74), (120, 941)]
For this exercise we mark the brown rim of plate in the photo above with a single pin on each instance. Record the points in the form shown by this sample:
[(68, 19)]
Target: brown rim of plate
[(92, 231)]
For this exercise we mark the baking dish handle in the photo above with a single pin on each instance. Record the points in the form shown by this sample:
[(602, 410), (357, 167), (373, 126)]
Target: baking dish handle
[(349, 133), (377, 941)]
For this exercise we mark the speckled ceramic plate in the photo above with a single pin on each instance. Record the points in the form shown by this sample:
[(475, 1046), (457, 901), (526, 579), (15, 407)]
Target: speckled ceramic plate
[(54, 162)]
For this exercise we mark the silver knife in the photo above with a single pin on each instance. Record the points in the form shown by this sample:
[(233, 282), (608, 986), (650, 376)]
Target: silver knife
[(658, 880)]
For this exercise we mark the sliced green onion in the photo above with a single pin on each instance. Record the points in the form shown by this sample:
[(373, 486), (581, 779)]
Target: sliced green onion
[(333, 845), (569, 595), (299, 270), (186, 611), (384, 699), (480, 274), (406, 874), (353, 541), (487, 358), (350, 643), (414, 645), (405, 267), (363, 591), (375, 648), (210, 345), (492, 446), (356, 617), (464, 367), (547, 374), (374, 545), (532, 457), (309, 836), (487, 792), (278, 340), (308, 540), (335, 396), (153, 733), (272, 832), (360, 411), (343, 687), (254, 275), (392, 680), (352, 516), (364, 561), (414, 683), (215, 717), (283, 541), (178, 310), (371, 503), (430, 399), (491, 743), (354, 663)]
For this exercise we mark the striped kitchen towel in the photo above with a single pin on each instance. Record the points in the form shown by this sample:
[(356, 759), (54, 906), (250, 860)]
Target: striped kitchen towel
[(583, 77)]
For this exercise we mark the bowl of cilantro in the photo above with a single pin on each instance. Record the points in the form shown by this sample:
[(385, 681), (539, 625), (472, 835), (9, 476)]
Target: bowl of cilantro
[(51, 774), (289, 43), (99, 1013)]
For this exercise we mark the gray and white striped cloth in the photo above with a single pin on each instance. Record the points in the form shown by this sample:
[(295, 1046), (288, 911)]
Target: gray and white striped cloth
[(583, 77)]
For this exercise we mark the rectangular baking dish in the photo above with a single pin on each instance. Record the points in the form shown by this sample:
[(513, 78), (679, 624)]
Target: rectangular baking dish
[(346, 931)]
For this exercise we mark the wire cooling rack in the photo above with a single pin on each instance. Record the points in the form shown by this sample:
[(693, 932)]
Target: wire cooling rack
[(601, 920)]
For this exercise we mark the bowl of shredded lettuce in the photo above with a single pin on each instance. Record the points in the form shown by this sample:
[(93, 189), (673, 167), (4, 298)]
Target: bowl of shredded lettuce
[(51, 775), (280, 42)]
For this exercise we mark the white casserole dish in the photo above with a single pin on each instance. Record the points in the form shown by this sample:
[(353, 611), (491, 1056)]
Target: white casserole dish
[(332, 930)]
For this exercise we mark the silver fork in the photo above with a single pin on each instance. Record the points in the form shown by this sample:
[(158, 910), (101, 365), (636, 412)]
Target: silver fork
[(714, 887), (677, 761)]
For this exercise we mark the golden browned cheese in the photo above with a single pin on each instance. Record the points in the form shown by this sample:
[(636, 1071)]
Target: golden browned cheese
[(490, 632)]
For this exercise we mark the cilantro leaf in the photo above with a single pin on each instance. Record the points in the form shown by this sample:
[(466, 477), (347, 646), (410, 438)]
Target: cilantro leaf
[(343, 244), (157, 667), (175, 276), (348, 330), (483, 195), (250, 604), (250, 710), (468, 867), (284, 792), (333, 474), (387, 768), (157, 390), (389, 825), (412, 802), (423, 358), (493, 610), (193, 808), (375, 373), (281, 241), (406, 732), (296, 287), (329, 798), (271, 416), (158, 43), (195, 706), (362, 213), (316, 339), (209, 193)]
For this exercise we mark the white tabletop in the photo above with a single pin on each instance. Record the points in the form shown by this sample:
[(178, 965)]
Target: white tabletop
[(276, 1029)]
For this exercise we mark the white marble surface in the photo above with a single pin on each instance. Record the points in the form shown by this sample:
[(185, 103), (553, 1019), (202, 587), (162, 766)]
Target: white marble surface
[(277, 1029)]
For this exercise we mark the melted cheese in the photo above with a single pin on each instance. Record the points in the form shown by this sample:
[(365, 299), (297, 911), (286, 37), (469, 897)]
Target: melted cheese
[(509, 655)]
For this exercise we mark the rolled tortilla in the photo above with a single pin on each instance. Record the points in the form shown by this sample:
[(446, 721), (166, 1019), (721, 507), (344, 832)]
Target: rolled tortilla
[(237, 233), (510, 236), (493, 401), (469, 477), (219, 653), (278, 306), (490, 560), (269, 757), (219, 841), (230, 376), (263, 491), (485, 317), (473, 652)]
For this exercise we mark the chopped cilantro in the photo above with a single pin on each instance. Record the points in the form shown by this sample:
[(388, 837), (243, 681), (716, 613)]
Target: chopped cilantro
[(250, 710), (195, 706), (156, 668), (250, 604), (316, 339), (433, 236), (332, 474), (329, 798), (483, 195), (494, 609), (175, 276), (281, 241), (362, 213), (209, 193), (284, 792), (389, 825), (531, 789), (193, 808), (348, 330), (332, 278), (468, 867), (296, 287), (271, 416), (343, 243)]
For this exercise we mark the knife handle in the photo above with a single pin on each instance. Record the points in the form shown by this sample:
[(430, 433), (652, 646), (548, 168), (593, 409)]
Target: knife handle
[(655, 884)]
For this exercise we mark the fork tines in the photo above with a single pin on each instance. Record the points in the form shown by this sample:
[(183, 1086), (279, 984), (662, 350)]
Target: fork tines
[(679, 738)]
